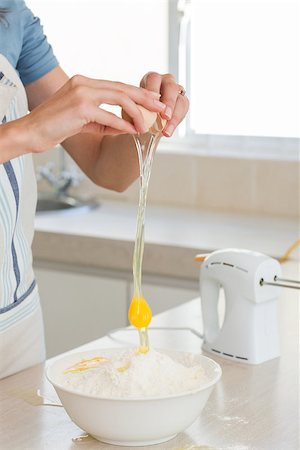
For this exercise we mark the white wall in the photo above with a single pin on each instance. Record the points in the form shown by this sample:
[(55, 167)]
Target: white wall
[(107, 39)]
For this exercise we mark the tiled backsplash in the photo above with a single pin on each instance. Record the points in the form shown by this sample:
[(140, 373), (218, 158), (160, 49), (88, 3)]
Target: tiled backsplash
[(210, 183)]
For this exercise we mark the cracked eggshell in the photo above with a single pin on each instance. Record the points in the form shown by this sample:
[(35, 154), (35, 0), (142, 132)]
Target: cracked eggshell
[(153, 121), (159, 124)]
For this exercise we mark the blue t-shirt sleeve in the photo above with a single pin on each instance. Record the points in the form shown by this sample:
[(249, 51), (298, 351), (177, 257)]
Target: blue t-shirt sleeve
[(36, 57)]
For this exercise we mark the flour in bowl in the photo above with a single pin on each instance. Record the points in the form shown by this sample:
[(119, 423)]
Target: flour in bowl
[(129, 374)]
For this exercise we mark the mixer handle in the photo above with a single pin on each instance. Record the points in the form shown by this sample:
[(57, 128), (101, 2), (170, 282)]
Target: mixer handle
[(209, 293)]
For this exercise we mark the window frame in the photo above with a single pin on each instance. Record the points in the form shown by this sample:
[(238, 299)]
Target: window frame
[(185, 139)]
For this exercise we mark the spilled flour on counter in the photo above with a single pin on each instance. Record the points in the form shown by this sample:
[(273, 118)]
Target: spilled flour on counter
[(130, 374)]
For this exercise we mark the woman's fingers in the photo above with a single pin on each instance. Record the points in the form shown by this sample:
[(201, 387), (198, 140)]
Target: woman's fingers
[(172, 107), (152, 82), (167, 86), (145, 97), (115, 97), (80, 80), (110, 120), (180, 109), (139, 95), (170, 91), (177, 105)]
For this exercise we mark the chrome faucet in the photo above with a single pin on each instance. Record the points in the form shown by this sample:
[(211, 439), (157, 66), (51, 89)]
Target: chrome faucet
[(66, 177), (59, 198)]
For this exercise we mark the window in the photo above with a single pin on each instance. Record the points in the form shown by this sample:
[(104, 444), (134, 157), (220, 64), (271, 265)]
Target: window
[(108, 39), (239, 62)]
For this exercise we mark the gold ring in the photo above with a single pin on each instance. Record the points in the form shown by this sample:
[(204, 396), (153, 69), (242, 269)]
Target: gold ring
[(182, 91)]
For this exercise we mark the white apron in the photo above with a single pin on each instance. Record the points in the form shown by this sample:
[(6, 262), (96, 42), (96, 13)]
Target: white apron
[(21, 324)]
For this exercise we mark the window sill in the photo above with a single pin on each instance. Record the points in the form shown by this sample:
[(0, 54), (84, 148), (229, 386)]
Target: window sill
[(256, 148)]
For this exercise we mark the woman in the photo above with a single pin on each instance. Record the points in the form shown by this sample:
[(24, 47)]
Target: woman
[(66, 111)]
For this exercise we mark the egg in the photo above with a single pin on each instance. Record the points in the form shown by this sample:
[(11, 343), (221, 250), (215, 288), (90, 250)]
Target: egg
[(139, 313), (153, 121)]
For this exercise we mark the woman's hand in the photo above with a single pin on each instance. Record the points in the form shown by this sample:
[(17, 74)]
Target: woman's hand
[(75, 109), (172, 95)]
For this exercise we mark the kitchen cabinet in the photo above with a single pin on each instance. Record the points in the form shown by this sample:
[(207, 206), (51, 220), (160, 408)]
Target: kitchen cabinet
[(81, 305), (78, 308)]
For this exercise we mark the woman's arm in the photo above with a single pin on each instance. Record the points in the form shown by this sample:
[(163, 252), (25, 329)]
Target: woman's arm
[(74, 109), (103, 150), (118, 153), (106, 156), (15, 140)]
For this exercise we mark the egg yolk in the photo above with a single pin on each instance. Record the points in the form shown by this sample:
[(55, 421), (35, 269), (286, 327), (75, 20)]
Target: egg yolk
[(139, 313), (87, 364)]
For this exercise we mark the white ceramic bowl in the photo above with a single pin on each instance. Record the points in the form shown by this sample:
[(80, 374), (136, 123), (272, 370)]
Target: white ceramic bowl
[(134, 422)]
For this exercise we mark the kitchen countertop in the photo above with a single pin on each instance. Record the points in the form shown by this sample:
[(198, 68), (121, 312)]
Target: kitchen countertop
[(103, 238), (251, 408)]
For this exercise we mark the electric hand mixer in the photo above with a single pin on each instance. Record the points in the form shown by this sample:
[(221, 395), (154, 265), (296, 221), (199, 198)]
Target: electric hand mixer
[(250, 329)]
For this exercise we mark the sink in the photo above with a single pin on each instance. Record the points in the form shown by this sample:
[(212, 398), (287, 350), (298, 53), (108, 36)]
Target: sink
[(48, 202)]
